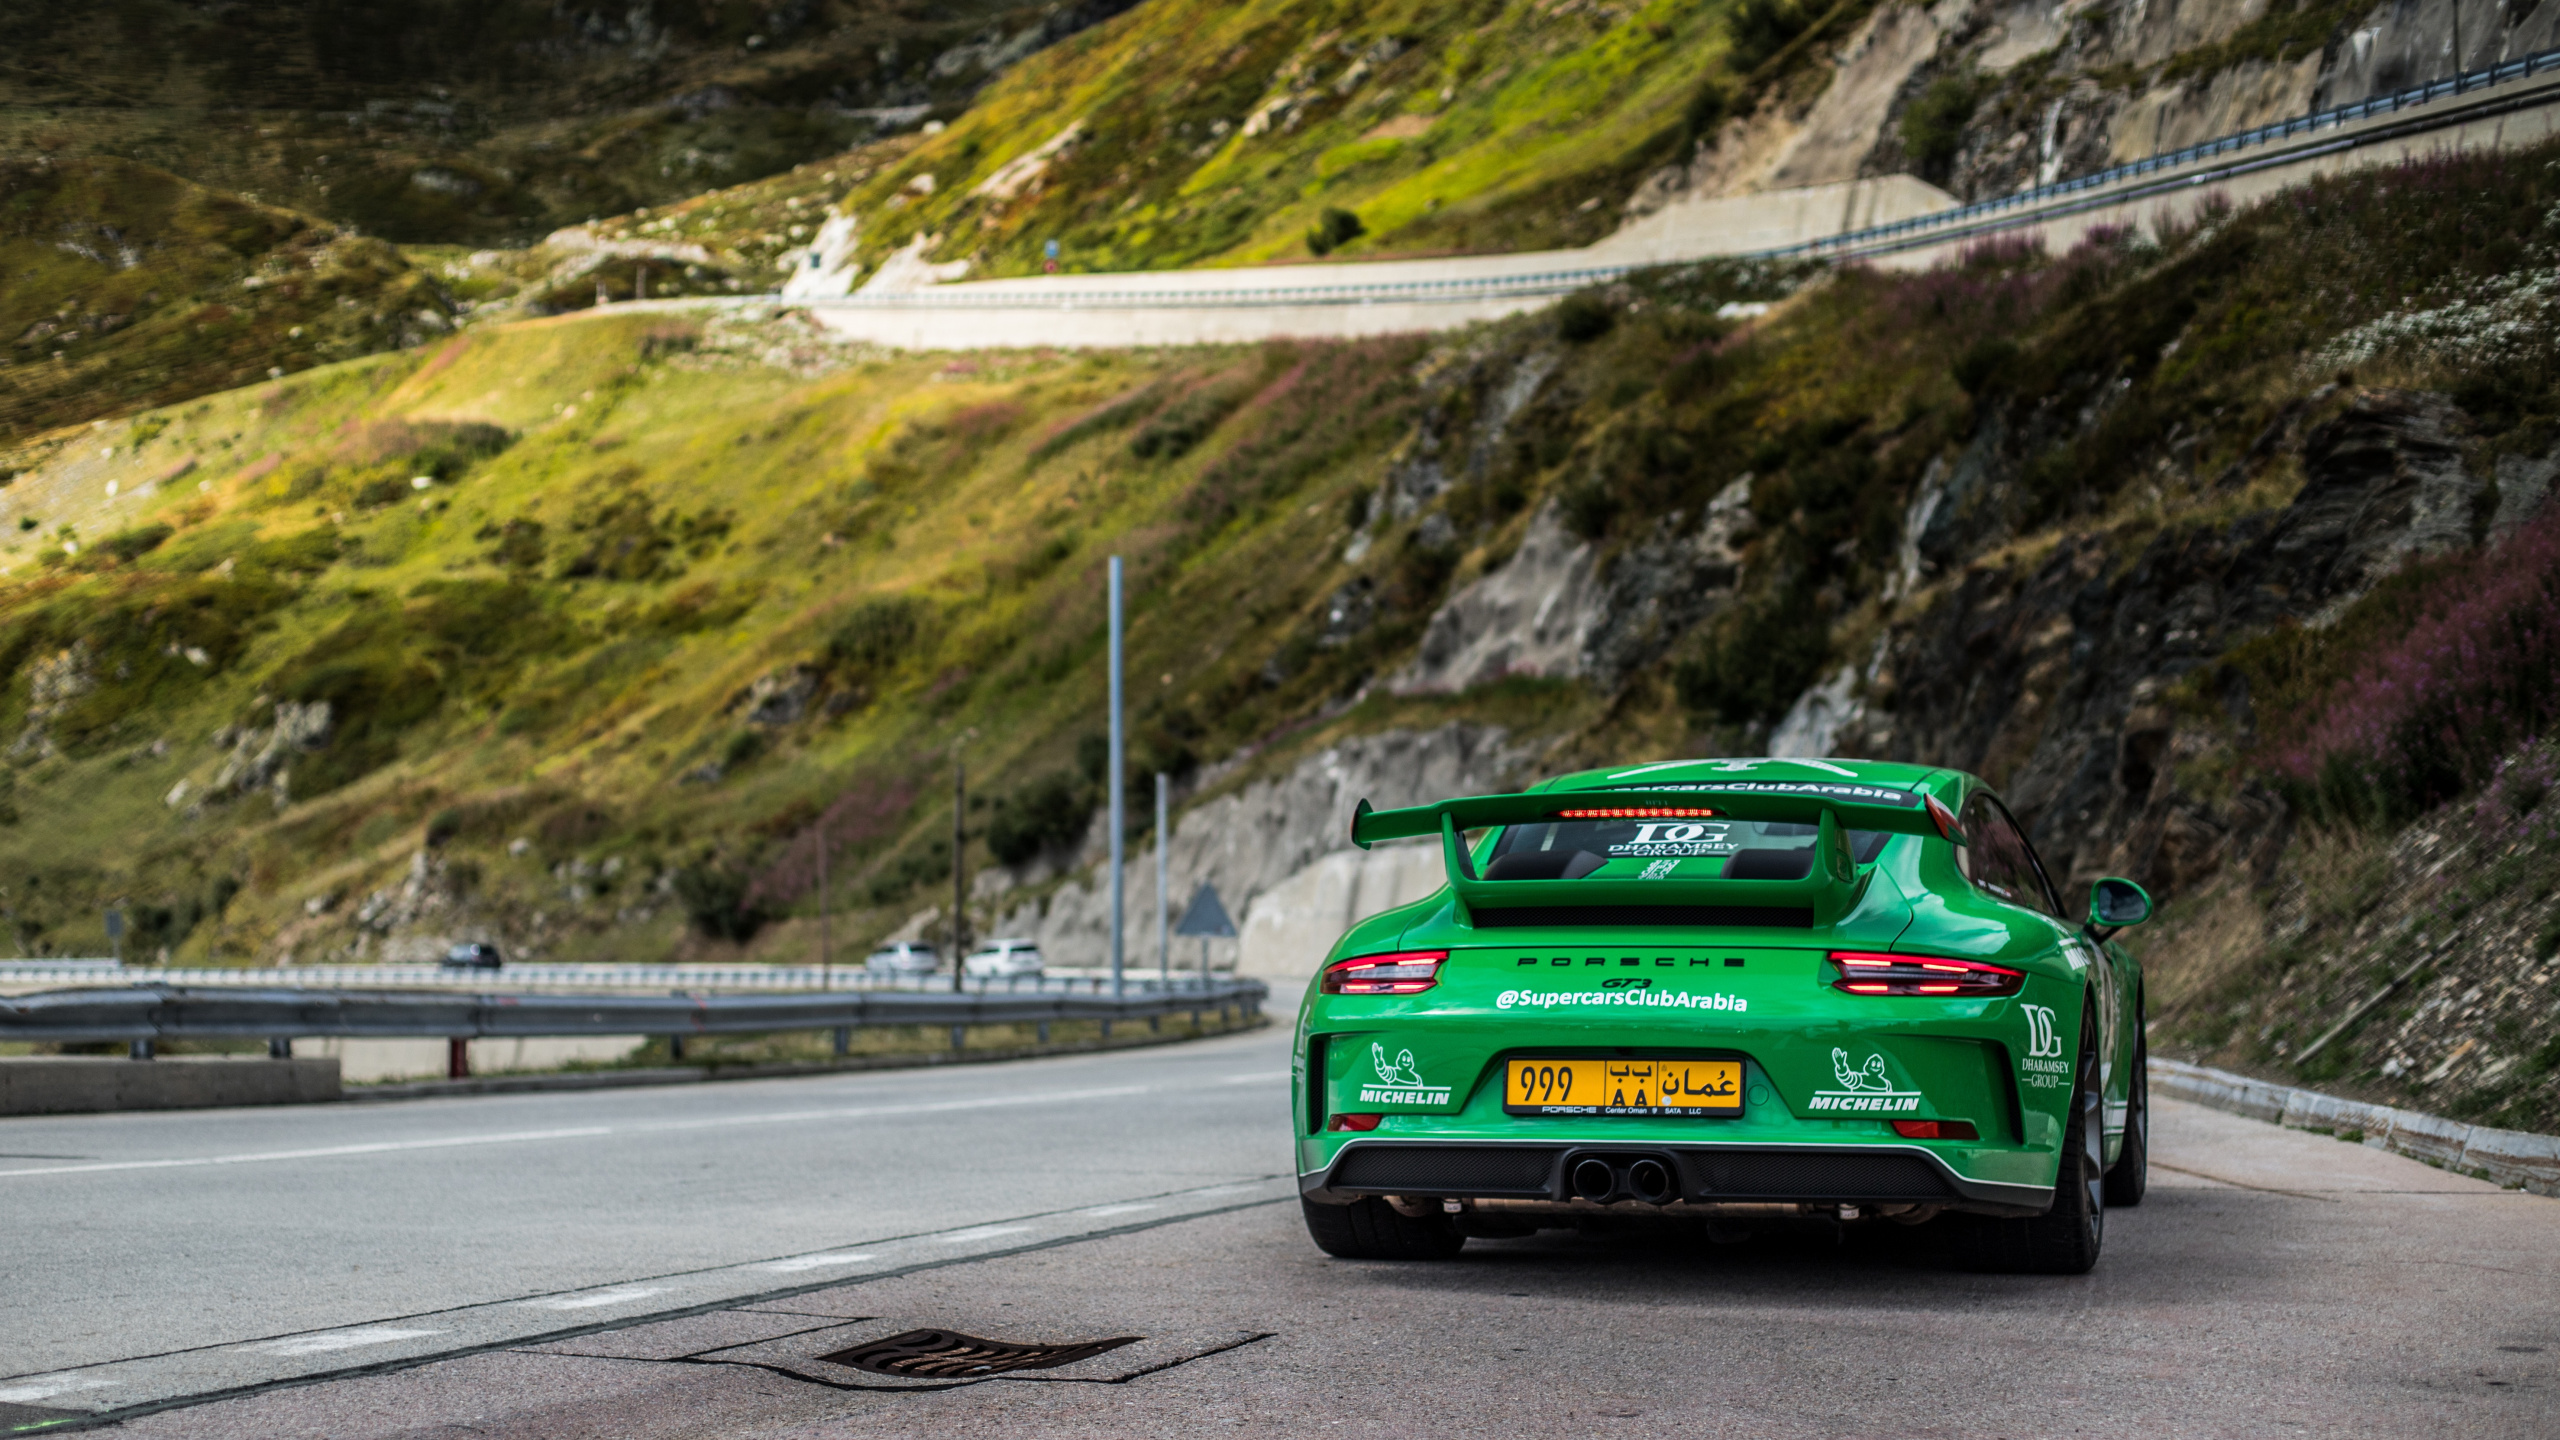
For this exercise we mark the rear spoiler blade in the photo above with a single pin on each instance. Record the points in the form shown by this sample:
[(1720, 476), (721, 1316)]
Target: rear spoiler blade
[(1853, 807)]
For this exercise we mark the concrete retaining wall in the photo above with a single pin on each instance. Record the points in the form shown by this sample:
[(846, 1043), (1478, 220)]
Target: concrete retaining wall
[(2506, 1157), (76, 1084)]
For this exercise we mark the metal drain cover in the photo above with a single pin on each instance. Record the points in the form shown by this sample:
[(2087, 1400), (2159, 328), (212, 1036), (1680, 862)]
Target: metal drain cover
[(950, 1355)]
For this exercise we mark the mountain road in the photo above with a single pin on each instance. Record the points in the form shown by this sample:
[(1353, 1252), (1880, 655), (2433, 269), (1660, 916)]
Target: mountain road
[(675, 1262)]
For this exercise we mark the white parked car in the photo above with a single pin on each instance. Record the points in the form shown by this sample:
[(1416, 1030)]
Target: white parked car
[(903, 957), (1004, 959)]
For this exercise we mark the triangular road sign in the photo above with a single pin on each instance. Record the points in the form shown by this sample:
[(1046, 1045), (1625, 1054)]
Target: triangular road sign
[(1205, 915)]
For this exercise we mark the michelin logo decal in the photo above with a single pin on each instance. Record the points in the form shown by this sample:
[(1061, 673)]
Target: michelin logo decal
[(1400, 1081), (1863, 1088)]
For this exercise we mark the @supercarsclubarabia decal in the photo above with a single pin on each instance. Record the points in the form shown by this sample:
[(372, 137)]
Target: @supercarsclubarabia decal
[(2042, 1066), (1400, 1081), (1863, 1088)]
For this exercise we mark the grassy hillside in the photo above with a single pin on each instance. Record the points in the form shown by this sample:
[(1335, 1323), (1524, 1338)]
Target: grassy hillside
[(493, 121), (1188, 132), (671, 590), (126, 286), (662, 595)]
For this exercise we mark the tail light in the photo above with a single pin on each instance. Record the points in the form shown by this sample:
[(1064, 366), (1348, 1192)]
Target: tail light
[(1865, 974), (1362, 1123), (1640, 812), (1408, 972), (1935, 1130)]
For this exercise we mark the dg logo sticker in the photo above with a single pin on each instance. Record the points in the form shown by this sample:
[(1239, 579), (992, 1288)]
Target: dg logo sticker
[(2042, 1040)]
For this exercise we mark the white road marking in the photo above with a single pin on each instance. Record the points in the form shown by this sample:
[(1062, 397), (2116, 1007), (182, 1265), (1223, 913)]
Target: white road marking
[(596, 1299), (45, 1387), (328, 1340), (320, 1153), (798, 1263), (178, 1373), (584, 1132)]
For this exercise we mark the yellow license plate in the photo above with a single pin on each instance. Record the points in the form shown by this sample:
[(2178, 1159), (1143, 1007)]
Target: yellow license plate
[(1623, 1087)]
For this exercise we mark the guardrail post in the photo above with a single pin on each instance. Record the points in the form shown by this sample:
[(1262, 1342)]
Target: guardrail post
[(675, 1047), (844, 1041), (457, 1058), (959, 1035), (280, 1047), (142, 1050), (1044, 1032)]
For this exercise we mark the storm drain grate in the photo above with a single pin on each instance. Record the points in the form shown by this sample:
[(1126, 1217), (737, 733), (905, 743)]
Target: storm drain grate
[(950, 1355)]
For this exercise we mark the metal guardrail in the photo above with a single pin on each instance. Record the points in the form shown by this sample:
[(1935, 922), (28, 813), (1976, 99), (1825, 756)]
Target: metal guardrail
[(2330, 119), (518, 975), (163, 1012), (1548, 282), (1559, 282)]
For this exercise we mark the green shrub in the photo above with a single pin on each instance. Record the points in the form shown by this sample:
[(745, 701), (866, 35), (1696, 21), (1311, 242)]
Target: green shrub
[(1049, 814), (1759, 29), (1708, 106), (1582, 319), (715, 901), (1757, 659), (1589, 507), (875, 635), (1985, 364), (1933, 124), (137, 542), (1333, 230)]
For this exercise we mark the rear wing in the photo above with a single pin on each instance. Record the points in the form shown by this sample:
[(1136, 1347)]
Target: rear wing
[(1828, 892), (1855, 807)]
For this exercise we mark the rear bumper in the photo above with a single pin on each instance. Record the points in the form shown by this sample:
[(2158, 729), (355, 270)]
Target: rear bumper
[(1742, 1173)]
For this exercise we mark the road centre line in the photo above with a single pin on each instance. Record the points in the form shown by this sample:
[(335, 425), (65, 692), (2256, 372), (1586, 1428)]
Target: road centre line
[(71, 1381), (584, 1132)]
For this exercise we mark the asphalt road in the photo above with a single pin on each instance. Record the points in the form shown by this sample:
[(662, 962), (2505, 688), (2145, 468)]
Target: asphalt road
[(2275, 1283)]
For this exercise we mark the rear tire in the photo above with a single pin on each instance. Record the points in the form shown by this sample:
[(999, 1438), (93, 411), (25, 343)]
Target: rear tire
[(1374, 1230), (2064, 1240), (2130, 1176)]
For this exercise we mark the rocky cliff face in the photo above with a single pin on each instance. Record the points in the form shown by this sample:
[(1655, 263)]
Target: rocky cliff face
[(1986, 97), (1279, 852)]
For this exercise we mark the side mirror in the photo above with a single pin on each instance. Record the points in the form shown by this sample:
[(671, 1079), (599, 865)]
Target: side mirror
[(2115, 904)]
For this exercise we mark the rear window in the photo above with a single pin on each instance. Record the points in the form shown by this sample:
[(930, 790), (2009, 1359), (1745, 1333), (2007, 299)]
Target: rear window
[(1665, 849)]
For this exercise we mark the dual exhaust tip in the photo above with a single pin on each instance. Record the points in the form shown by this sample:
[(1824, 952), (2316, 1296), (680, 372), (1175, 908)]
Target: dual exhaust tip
[(1603, 1179)]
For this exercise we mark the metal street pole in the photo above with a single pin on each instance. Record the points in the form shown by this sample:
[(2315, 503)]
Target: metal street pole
[(1119, 790), (959, 865), (826, 952), (1164, 922)]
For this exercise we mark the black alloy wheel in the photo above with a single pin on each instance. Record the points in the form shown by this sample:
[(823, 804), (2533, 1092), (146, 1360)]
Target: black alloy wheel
[(2065, 1239), (2130, 1176), (1375, 1230)]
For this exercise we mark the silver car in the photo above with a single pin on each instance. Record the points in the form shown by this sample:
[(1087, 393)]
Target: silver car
[(1004, 960), (903, 958)]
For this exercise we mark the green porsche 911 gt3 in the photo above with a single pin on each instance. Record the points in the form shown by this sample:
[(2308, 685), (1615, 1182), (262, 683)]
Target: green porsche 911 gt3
[(1738, 990)]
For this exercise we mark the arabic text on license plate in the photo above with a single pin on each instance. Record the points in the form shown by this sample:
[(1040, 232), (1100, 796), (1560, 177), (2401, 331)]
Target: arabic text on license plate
[(1623, 1087)]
